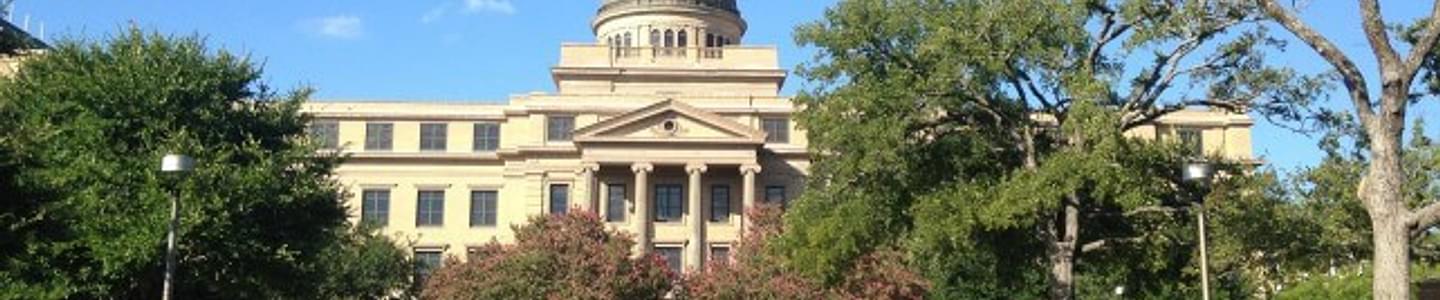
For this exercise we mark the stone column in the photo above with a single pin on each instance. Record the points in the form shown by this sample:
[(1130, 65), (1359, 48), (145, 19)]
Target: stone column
[(695, 254), (641, 219), (747, 194), (585, 191)]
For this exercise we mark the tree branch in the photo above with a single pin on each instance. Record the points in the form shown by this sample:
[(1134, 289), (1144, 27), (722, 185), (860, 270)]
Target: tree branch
[(1106, 243), (1134, 119), (1353, 79), (1423, 218), (1425, 44)]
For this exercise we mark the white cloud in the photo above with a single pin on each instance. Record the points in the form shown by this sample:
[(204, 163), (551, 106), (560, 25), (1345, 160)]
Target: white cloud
[(490, 6), (341, 27)]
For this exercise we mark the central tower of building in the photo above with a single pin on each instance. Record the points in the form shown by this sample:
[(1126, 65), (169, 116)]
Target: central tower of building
[(669, 23)]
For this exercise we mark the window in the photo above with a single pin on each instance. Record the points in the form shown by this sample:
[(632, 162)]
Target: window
[(487, 137), (719, 203), (627, 40), (775, 194), (483, 208), (430, 209), (473, 254), (777, 130), (669, 38), (709, 40), (559, 128), (720, 254), (426, 261), (671, 255), (325, 134), (559, 199), (378, 136), (655, 38), (432, 136), (1193, 140), (375, 207), (669, 202), (682, 39), (615, 203)]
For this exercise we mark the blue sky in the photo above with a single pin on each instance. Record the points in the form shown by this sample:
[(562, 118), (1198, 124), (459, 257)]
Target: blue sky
[(485, 50)]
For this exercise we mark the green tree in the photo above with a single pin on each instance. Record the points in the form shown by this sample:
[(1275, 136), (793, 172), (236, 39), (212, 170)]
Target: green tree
[(86, 124), (1381, 119), (991, 141)]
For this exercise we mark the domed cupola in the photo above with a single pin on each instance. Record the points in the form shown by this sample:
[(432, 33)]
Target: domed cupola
[(669, 23)]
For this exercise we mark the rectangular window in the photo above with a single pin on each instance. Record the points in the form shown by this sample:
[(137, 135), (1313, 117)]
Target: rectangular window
[(430, 209), (1193, 140), (433, 136), (669, 202), (559, 199), (426, 261), (325, 134), (719, 203), (473, 254), (720, 254), (487, 137), (615, 203), (777, 130), (672, 257), (559, 128), (375, 207), (378, 136), (775, 194), (483, 209)]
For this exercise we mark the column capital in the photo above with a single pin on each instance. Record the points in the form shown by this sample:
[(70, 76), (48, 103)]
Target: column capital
[(750, 168), (696, 168), (588, 168), (642, 167)]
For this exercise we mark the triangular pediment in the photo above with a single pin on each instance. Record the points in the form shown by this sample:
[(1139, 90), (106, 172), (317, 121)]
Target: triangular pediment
[(670, 121)]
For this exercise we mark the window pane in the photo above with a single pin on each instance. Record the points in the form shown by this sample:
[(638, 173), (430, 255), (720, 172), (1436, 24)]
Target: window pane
[(483, 208), (378, 136), (720, 203), (433, 137), (615, 203), (671, 256), (777, 130), (425, 263), (559, 128), (375, 207), (430, 209), (669, 202), (1193, 140), (559, 199), (720, 254), (487, 137), (325, 134), (776, 194)]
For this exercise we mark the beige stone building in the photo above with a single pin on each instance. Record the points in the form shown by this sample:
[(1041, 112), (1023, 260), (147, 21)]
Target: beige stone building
[(668, 127)]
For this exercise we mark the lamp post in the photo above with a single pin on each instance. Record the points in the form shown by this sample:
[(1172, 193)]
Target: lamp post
[(173, 164), (1200, 173)]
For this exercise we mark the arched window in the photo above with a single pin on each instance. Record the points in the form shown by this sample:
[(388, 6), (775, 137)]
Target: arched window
[(655, 38), (669, 38), (627, 43), (682, 40), (709, 40)]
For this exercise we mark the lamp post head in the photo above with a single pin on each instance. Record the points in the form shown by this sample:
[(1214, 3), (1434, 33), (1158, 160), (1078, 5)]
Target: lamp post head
[(177, 163), (1197, 171)]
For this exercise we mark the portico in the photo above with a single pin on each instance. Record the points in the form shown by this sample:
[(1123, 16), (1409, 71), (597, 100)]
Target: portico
[(683, 164)]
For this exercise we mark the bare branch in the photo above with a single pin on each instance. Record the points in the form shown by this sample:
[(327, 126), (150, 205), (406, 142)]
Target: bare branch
[(1379, 39), (1426, 43), (1350, 74), (1424, 218), (1105, 243), (1134, 119)]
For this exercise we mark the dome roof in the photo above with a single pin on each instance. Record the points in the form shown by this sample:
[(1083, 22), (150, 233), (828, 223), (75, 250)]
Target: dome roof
[(727, 5)]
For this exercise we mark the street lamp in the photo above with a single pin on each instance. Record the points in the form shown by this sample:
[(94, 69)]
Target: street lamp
[(1200, 172), (173, 164)]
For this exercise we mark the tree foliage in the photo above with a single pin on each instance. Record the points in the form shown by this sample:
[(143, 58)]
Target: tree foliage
[(86, 207), (571, 256)]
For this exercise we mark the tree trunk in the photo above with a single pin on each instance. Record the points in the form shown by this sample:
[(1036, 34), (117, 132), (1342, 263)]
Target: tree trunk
[(1389, 215), (1062, 251)]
